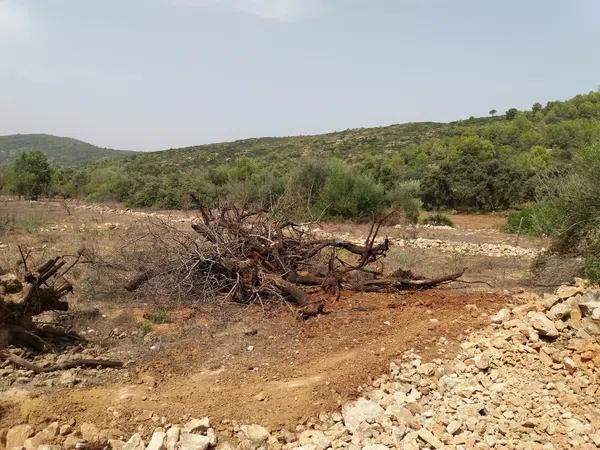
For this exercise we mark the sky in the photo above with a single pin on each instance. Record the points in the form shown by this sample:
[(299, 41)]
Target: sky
[(157, 74)]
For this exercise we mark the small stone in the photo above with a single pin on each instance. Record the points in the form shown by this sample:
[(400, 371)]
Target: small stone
[(173, 437), (261, 396), (134, 443), (454, 427), (427, 436), (589, 309), (543, 325), (316, 438), (255, 433), (501, 316), (550, 300), (362, 410), (16, 436), (190, 441), (212, 437), (570, 364), (89, 432), (197, 425), (564, 292), (157, 441), (482, 361), (560, 310)]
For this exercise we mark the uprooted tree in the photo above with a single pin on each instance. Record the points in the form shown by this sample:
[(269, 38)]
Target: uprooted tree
[(27, 294), (248, 256)]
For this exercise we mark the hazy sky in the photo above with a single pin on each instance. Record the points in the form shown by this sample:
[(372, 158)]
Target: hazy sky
[(153, 74)]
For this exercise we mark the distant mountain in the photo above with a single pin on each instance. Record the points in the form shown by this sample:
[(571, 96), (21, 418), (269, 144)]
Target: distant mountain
[(60, 150)]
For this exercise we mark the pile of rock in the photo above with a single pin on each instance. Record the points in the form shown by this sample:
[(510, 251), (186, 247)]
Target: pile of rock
[(529, 381), (196, 434), (470, 248)]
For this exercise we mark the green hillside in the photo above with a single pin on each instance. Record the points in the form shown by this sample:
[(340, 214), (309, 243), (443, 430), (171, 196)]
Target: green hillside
[(349, 144), (477, 164), (59, 150)]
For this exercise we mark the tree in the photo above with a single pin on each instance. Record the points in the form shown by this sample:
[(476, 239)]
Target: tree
[(493, 112), (511, 113), (536, 107), (31, 175)]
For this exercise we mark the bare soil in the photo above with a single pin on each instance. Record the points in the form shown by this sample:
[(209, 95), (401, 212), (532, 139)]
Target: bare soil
[(251, 364)]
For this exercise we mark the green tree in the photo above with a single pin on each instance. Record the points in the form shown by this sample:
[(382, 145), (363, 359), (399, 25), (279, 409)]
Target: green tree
[(493, 112), (30, 175), (511, 113)]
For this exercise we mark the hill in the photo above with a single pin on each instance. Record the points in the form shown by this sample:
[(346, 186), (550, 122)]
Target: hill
[(348, 144), (60, 150), (486, 163)]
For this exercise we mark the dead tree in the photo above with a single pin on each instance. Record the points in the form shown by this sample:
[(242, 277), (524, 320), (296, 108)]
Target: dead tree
[(248, 256)]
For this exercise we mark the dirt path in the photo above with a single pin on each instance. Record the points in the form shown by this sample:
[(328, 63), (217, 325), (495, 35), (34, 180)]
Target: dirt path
[(279, 371)]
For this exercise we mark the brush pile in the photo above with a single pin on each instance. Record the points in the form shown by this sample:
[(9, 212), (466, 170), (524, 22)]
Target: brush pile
[(248, 256)]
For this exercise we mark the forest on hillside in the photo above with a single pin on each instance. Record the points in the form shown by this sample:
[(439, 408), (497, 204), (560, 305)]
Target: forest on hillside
[(478, 164)]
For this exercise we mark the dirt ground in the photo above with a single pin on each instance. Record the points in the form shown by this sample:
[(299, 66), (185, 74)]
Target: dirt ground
[(251, 364)]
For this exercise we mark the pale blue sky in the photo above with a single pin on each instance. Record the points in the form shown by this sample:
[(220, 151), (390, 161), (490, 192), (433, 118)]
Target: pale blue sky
[(153, 74)]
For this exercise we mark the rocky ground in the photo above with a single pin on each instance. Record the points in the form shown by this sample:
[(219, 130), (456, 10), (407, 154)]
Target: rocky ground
[(531, 379)]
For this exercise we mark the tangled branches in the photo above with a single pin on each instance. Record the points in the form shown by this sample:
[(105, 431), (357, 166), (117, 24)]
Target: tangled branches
[(247, 256)]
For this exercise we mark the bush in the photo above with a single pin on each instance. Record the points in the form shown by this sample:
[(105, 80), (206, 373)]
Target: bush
[(438, 220), (592, 269), (579, 202), (404, 197), (541, 219), (348, 195)]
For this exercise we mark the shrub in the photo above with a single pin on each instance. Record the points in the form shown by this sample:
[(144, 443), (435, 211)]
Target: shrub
[(540, 219), (158, 316), (579, 201), (348, 194), (404, 197), (592, 269), (438, 220)]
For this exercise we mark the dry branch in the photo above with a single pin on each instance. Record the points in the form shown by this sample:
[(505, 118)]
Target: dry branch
[(248, 256), (21, 362)]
